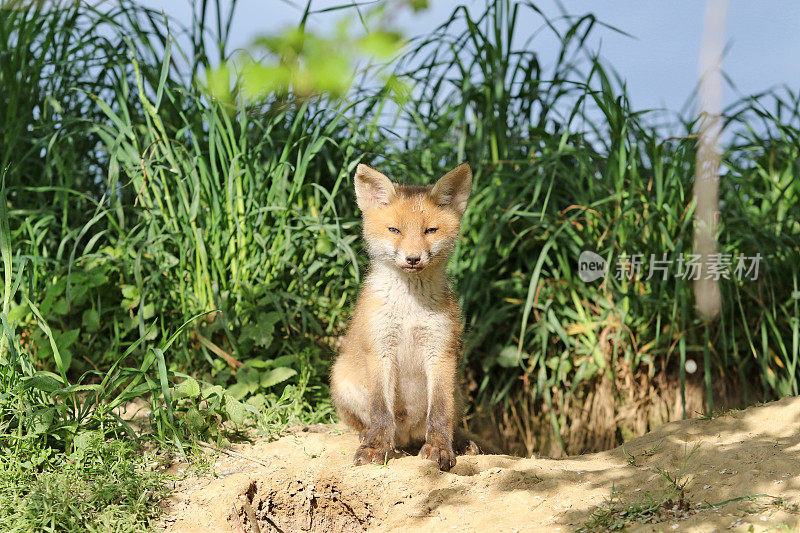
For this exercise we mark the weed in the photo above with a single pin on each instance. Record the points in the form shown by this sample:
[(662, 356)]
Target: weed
[(654, 450), (104, 485), (617, 513), (628, 456)]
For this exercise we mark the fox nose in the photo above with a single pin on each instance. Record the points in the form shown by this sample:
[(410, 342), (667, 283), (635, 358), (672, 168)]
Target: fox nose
[(412, 260)]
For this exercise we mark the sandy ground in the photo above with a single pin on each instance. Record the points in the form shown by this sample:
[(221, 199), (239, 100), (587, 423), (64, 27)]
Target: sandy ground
[(304, 482)]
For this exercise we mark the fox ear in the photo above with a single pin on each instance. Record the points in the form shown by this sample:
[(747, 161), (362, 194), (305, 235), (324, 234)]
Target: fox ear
[(373, 189), (453, 188)]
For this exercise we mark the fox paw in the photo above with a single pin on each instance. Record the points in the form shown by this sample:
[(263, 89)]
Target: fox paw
[(371, 454), (444, 456)]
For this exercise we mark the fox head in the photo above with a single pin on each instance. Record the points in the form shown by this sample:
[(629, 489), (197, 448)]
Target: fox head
[(412, 227)]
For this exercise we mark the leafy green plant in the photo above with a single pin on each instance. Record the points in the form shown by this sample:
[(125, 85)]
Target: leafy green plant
[(101, 486)]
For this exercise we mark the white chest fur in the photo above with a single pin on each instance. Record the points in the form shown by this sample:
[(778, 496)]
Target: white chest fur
[(410, 328), (410, 323)]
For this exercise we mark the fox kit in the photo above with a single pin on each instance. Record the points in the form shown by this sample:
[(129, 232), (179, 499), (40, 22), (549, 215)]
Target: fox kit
[(395, 378)]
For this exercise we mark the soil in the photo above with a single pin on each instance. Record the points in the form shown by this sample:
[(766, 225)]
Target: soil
[(739, 472)]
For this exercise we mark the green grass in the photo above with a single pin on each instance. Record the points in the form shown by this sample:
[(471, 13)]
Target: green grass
[(563, 164), (102, 486), (619, 511), (203, 254)]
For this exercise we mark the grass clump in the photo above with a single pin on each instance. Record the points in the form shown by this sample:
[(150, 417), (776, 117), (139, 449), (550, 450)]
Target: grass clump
[(144, 205), (617, 512), (564, 164), (104, 485), (67, 461)]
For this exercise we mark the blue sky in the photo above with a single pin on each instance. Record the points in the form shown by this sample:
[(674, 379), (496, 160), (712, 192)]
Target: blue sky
[(658, 61)]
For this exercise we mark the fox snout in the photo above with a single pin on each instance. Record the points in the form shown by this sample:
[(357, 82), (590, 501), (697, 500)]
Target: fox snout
[(412, 261), (412, 252)]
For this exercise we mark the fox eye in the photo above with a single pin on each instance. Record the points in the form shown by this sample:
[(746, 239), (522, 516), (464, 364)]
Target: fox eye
[(394, 230), (430, 230)]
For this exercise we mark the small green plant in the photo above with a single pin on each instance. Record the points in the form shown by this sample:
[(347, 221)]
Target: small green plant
[(66, 461), (782, 504), (103, 485), (618, 512), (629, 456), (654, 450)]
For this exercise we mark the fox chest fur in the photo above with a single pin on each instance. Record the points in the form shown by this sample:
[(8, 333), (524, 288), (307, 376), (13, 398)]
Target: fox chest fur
[(412, 321), (409, 318)]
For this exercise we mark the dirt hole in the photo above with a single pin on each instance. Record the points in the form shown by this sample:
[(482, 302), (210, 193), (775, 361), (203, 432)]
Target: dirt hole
[(300, 506)]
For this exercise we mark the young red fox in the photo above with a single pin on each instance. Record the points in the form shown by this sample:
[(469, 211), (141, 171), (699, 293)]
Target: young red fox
[(394, 379)]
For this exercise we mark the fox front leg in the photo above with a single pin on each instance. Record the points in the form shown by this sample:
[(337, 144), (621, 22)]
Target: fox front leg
[(377, 439), (438, 445), (376, 442)]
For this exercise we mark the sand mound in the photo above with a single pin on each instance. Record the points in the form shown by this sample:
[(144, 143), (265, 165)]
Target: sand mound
[(731, 469)]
